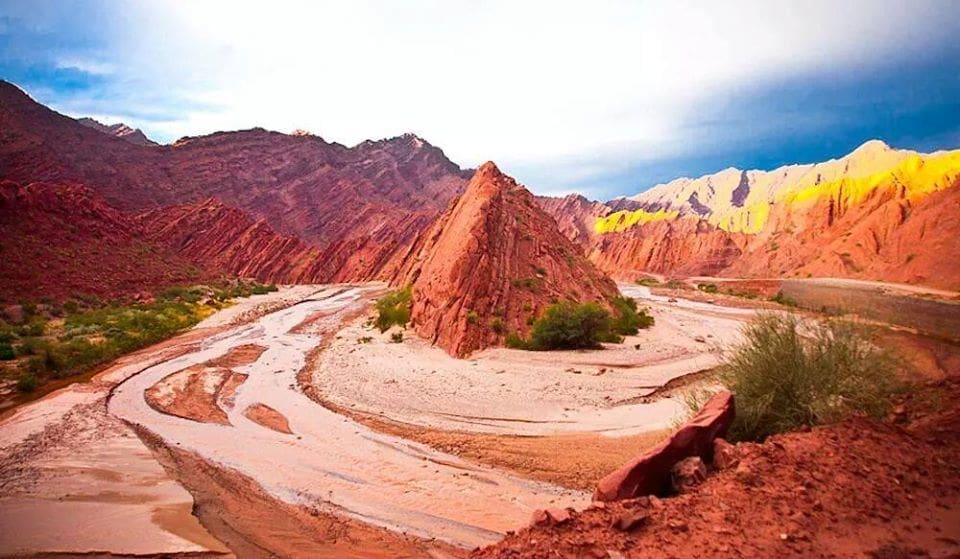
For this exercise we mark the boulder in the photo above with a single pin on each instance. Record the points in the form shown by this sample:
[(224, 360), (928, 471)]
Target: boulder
[(724, 455), (650, 472), (688, 473)]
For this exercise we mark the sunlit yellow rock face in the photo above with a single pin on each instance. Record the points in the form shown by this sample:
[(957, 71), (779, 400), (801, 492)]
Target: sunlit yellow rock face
[(622, 220), (742, 201)]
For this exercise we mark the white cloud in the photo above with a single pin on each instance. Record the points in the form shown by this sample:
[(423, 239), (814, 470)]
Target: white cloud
[(523, 83), (93, 67)]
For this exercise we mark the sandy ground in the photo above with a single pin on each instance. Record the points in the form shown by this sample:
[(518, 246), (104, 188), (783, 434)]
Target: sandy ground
[(70, 474), (514, 392)]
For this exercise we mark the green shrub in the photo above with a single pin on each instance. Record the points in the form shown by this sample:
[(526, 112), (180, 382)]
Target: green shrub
[(27, 382), (6, 352), (35, 327), (513, 341), (786, 374), (472, 317), (393, 309), (570, 326), (783, 299), (71, 307), (396, 337), (29, 308), (628, 320), (497, 326), (707, 287), (648, 282)]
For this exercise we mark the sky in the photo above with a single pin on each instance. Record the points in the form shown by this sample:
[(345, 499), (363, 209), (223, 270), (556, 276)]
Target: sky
[(601, 98)]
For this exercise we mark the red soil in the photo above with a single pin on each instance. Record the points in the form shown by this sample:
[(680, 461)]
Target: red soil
[(880, 489)]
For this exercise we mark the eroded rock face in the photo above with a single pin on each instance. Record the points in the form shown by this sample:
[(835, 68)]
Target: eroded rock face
[(231, 242), (489, 264), (650, 473)]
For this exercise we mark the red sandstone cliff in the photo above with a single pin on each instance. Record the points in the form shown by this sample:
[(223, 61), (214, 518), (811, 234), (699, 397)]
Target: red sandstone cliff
[(490, 263)]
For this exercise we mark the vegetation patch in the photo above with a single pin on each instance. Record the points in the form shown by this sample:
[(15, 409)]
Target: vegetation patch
[(393, 309), (569, 325), (43, 348), (787, 374)]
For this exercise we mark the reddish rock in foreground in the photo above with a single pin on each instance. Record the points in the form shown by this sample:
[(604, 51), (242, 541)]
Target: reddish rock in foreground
[(490, 264), (650, 472)]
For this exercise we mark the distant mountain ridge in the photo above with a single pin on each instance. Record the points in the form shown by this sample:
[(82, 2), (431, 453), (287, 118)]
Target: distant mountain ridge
[(120, 130), (876, 213)]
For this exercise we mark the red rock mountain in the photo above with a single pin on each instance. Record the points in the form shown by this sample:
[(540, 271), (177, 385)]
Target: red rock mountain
[(490, 263), (362, 203), (62, 240), (332, 212), (120, 130), (878, 213)]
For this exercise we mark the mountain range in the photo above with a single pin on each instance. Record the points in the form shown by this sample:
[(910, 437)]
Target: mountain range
[(87, 208)]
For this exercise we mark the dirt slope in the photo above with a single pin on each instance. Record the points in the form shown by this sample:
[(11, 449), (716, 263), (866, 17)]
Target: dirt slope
[(491, 262), (857, 489)]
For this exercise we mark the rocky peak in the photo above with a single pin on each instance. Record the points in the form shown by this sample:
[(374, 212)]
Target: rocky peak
[(119, 130), (490, 263)]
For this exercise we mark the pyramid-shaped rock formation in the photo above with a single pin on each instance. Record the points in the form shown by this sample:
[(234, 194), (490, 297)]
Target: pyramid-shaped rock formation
[(490, 264)]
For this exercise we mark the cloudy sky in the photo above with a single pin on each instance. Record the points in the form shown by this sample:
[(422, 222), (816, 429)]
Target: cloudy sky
[(604, 98)]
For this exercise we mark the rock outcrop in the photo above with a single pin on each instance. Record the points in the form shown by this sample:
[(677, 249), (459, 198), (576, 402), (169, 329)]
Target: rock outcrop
[(489, 264), (62, 240), (120, 130), (650, 473)]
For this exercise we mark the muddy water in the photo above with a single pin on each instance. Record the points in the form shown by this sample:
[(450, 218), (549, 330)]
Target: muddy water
[(330, 461)]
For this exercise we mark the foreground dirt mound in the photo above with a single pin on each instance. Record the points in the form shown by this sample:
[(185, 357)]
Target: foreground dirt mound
[(856, 489), (60, 240), (492, 262)]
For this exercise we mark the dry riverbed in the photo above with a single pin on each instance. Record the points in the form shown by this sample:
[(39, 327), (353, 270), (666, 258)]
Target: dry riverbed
[(410, 446)]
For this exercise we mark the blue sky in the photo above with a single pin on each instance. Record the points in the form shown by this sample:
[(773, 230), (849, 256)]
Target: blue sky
[(603, 98)]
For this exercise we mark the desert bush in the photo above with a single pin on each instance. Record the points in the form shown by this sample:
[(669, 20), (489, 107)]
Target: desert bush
[(497, 325), (396, 337), (787, 374), (628, 320), (6, 351), (472, 317), (567, 325), (34, 327), (783, 299), (393, 309), (27, 382), (707, 287), (514, 341)]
